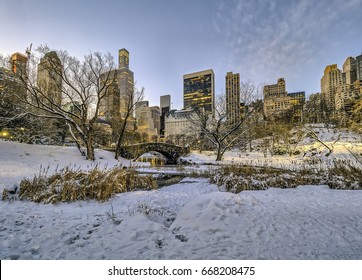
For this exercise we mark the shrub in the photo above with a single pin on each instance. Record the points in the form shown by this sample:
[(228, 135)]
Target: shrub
[(237, 178), (71, 185)]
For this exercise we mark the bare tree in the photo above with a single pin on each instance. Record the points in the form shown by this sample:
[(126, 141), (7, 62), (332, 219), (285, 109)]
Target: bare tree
[(131, 101), (216, 129), (4, 61), (10, 85), (62, 79), (251, 96), (249, 92), (356, 117), (312, 134)]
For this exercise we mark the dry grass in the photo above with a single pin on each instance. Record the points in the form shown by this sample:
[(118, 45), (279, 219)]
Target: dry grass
[(71, 185), (236, 178)]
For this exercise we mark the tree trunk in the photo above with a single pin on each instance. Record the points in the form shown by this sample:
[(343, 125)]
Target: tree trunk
[(120, 139), (219, 153), (90, 148), (250, 141), (76, 140)]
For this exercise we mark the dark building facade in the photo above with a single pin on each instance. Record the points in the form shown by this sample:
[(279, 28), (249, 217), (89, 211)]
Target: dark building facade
[(199, 91), (297, 102), (165, 107)]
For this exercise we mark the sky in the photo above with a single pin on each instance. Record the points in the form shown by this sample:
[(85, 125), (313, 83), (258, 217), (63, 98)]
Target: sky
[(263, 40)]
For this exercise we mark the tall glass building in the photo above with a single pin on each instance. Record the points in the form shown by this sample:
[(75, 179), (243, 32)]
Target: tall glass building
[(165, 107), (199, 90)]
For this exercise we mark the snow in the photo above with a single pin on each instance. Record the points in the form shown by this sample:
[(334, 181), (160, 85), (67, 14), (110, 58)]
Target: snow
[(344, 143), (18, 160), (189, 220)]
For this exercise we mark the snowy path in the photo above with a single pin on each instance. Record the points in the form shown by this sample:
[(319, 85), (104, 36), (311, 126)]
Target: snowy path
[(190, 220)]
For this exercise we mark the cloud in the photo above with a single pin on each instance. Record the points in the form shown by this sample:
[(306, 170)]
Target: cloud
[(269, 39)]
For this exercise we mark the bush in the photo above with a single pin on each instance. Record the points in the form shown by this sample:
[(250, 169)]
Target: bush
[(236, 178), (71, 185)]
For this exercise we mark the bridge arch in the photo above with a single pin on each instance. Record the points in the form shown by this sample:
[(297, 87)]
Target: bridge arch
[(171, 152)]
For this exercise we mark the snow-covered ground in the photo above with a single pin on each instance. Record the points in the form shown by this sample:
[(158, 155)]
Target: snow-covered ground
[(189, 220), (344, 144), (19, 160)]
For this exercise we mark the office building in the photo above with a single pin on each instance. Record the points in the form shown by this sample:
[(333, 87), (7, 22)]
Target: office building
[(125, 80), (199, 91), (49, 78), (359, 67), (330, 81), (179, 126), (349, 74), (11, 89), (275, 98), (296, 106), (149, 120), (165, 101), (281, 105), (232, 89), (119, 94), (165, 107), (341, 89), (139, 107)]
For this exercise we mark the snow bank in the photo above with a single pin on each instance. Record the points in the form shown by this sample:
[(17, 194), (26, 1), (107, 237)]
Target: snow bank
[(309, 222), (189, 220), (18, 160)]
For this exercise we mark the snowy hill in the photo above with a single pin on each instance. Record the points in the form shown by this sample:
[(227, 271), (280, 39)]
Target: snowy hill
[(189, 220), (20, 160)]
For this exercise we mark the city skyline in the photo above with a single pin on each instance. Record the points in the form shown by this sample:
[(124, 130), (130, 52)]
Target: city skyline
[(263, 41)]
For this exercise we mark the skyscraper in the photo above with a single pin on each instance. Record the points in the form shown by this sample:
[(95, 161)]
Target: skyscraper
[(349, 71), (348, 91), (118, 95), (165, 101), (149, 121), (12, 89), (232, 88), (359, 67), (139, 107), (165, 107), (330, 81), (125, 80), (123, 59), (199, 91), (49, 78)]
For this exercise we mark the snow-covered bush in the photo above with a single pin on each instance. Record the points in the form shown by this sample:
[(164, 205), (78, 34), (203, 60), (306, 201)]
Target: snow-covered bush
[(237, 178), (71, 185)]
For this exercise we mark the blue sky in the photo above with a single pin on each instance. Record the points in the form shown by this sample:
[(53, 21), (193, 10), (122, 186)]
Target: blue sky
[(261, 40)]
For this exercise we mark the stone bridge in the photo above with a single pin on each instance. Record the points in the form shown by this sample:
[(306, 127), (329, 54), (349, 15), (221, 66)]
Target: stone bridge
[(170, 151)]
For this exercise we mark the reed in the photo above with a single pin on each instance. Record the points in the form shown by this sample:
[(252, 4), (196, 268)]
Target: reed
[(342, 174), (69, 185)]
